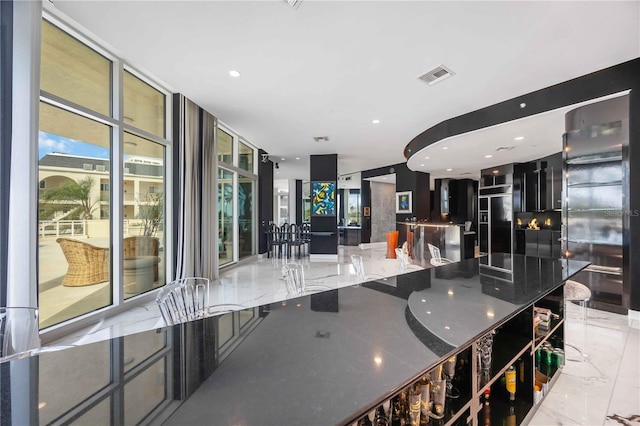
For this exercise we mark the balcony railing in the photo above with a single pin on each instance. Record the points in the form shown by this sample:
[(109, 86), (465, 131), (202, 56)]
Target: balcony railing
[(51, 228)]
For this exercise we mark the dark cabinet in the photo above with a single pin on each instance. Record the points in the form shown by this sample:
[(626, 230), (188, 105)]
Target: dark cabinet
[(540, 243), (537, 185), (455, 199)]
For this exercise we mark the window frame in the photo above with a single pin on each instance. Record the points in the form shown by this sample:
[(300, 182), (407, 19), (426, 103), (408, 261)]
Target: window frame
[(116, 199), (237, 172)]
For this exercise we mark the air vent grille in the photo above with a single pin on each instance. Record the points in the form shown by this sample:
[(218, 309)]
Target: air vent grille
[(505, 148), (436, 75), (293, 3), (321, 138)]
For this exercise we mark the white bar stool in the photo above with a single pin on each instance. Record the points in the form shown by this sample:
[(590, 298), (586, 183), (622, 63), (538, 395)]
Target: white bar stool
[(580, 293)]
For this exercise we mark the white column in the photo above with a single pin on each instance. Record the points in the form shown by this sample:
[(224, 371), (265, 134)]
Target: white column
[(23, 197)]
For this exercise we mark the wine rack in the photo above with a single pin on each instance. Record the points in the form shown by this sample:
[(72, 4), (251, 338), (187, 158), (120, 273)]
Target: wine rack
[(514, 343)]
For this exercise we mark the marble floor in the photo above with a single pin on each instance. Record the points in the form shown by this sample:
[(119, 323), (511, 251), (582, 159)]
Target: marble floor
[(603, 390)]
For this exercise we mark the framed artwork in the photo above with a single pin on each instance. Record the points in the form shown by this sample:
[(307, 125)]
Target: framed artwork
[(367, 211), (323, 198), (403, 202)]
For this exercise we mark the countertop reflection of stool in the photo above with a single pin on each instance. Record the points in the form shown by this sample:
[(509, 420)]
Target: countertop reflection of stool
[(580, 293), (139, 273)]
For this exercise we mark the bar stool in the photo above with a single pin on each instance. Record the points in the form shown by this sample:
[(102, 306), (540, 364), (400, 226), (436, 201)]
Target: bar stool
[(579, 293)]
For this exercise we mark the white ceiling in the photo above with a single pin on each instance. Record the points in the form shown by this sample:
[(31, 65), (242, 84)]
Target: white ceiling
[(329, 68)]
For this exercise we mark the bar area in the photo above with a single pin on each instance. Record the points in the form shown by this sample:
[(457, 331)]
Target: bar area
[(425, 329)]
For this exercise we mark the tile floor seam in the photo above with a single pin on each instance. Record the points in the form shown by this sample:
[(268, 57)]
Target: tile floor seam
[(615, 381)]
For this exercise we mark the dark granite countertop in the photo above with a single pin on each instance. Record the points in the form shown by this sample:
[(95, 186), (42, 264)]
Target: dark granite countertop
[(317, 359)]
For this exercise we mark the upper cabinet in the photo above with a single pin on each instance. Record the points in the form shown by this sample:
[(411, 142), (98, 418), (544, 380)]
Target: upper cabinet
[(537, 185)]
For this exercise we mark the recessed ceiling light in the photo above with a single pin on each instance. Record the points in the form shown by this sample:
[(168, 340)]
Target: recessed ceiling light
[(488, 156), (426, 158), (375, 121), (421, 165), (445, 147), (496, 172), (384, 178), (297, 158), (518, 138), (234, 73), (522, 105), (449, 170), (282, 159)]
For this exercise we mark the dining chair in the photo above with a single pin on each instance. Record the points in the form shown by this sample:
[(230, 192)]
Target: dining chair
[(403, 260), (187, 299), (19, 334), (436, 259), (358, 266), (294, 233), (184, 300), (294, 278)]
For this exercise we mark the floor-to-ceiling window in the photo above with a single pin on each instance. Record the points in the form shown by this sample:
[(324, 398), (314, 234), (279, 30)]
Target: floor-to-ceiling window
[(236, 197), (102, 169)]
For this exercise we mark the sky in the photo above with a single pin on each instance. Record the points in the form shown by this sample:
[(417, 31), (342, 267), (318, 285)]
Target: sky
[(48, 143)]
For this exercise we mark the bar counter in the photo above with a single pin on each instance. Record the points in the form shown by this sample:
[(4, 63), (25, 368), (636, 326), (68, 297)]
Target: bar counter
[(453, 241), (324, 358)]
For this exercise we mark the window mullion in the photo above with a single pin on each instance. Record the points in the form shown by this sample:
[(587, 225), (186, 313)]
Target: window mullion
[(117, 193)]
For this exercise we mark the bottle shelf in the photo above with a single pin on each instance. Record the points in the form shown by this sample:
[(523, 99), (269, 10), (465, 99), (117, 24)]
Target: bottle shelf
[(594, 184), (502, 360), (514, 344), (542, 335), (501, 412)]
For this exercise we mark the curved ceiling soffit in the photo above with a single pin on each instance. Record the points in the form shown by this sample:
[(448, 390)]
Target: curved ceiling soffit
[(600, 83)]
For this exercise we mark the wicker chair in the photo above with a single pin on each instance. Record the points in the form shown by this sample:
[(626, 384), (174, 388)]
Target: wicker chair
[(88, 264), (141, 245)]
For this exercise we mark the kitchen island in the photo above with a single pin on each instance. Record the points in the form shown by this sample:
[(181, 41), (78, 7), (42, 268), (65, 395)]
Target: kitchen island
[(454, 242), (323, 358)]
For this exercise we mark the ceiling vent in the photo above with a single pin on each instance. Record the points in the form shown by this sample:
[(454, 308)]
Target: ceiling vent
[(321, 138), (505, 148), (293, 4), (436, 75)]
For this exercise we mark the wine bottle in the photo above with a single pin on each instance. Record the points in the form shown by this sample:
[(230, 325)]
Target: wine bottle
[(365, 421), (425, 400), (415, 405), (396, 411), (380, 418), (511, 418), (486, 408), (510, 378)]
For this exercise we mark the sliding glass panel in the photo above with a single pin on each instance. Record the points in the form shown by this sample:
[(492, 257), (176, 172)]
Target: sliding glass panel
[(74, 237), (56, 398), (143, 194), (225, 216), (245, 157), (144, 106), (145, 392), (245, 216), (141, 346), (225, 147), (73, 71), (98, 415)]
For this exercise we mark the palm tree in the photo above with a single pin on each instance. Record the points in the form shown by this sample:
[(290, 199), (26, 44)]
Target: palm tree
[(151, 210), (70, 195)]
